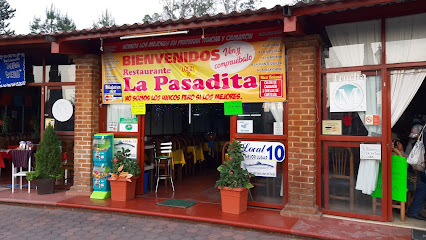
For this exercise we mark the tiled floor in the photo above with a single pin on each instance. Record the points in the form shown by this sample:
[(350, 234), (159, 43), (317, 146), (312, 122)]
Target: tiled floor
[(208, 209)]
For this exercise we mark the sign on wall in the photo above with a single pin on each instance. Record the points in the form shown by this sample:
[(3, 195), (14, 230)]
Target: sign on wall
[(12, 70), (399, 179), (260, 158), (236, 66), (126, 143), (370, 151), (244, 126), (332, 127), (348, 96), (128, 125)]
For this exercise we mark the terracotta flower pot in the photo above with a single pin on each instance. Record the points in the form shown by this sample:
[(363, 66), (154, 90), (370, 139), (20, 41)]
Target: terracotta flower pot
[(122, 190), (234, 200)]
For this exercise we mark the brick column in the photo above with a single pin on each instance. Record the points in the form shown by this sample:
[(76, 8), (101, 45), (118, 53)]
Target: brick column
[(301, 75), (88, 76)]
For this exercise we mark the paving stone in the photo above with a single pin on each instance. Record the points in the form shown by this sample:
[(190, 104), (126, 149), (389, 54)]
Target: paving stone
[(59, 224)]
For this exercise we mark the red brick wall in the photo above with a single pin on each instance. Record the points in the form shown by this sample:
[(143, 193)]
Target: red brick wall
[(88, 78), (301, 82)]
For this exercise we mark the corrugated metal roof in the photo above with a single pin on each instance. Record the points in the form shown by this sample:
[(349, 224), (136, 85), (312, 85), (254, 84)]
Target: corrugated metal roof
[(113, 28)]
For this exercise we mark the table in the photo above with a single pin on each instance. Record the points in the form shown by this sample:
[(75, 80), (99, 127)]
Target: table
[(197, 151), (4, 154)]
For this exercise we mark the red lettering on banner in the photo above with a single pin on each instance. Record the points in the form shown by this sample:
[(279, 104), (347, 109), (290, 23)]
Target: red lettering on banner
[(178, 57), (198, 84), (186, 84), (159, 81), (213, 83), (140, 86)]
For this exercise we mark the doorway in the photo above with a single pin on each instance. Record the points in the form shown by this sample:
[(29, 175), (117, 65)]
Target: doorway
[(408, 94), (201, 131)]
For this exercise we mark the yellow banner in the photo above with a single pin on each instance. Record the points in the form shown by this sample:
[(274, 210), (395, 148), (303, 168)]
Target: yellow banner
[(239, 66)]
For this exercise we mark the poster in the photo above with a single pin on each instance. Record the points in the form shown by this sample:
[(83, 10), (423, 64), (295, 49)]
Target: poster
[(233, 108), (244, 126), (128, 125), (126, 143), (12, 70), (260, 158), (138, 108), (49, 121), (112, 126), (331, 127), (247, 66), (399, 179), (348, 96), (370, 151)]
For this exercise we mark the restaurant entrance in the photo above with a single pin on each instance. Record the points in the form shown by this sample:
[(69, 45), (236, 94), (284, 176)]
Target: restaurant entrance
[(199, 133)]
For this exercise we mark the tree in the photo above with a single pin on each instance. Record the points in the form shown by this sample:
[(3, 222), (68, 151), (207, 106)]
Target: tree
[(105, 20), (6, 13), (239, 5), (54, 22), (175, 9)]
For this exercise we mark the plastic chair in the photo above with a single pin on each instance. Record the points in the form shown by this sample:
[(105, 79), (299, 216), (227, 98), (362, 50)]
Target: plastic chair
[(21, 173), (165, 160)]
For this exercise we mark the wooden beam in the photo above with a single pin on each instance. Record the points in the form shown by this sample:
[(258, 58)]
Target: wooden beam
[(293, 27), (85, 47), (22, 41)]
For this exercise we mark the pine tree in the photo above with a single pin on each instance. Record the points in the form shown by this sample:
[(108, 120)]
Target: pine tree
[(6, 13), (105, 20), (48, 157), (54, 22)]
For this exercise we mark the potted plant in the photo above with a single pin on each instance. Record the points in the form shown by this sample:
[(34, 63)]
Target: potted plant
[(124, 169), (48, 162), (234, 181)]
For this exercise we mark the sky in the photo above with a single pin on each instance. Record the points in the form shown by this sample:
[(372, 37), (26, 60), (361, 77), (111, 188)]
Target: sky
[(86, 12)]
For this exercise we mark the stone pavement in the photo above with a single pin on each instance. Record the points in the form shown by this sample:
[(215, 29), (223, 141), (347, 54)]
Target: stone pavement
[(24, 222)]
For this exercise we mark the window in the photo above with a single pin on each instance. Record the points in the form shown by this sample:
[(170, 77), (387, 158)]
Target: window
[(352, 103), (265, 118), (406, 39), (352, 44)]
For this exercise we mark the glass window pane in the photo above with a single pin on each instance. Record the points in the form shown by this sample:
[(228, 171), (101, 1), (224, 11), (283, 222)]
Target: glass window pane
[(341, 189), (117, 111), (60, 73), (352, 44), (55, 94), (268, 189), (405, 39), (266, 118), (38, 74), (353, 104)]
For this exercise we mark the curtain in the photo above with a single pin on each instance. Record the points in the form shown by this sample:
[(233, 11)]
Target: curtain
[(367, 175), (404, 86), (276, 109), (374, 104), (406, 38), (354, 44), (117, 111)]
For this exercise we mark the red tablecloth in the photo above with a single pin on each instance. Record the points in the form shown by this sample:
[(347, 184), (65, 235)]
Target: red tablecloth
[(4, 154), (20, 157)]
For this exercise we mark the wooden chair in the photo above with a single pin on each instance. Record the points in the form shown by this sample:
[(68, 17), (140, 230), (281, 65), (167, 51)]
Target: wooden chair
[(342, 168)]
